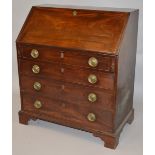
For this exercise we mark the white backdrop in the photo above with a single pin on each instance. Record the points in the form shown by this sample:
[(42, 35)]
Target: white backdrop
[(46, 138)]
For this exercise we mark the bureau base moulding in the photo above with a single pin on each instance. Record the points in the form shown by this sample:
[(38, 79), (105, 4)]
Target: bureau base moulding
[(110, 140)]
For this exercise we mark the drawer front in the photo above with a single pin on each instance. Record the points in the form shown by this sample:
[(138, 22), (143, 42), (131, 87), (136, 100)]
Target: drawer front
[(71, 57), (74, 93), (42, 53), (65, 111), (86, 60), (68, 74)]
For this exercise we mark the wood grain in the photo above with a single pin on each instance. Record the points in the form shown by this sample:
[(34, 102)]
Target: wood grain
[(67, 56), (65, 43), (70, 31), (68, 74), (68, 111), (68, 92)]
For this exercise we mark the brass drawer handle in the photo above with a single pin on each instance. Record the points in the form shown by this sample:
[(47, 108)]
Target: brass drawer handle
[(91, 117), (92, 97), (92, 79), (36, 69), (37, 86), (34, 53), (93, 62), (37, 104)]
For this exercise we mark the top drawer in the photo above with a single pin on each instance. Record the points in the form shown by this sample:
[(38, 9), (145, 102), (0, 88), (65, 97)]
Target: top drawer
[(82, 59)]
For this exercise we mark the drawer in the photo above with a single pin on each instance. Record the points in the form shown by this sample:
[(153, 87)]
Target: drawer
[(40, 53), (89, 60), (71, 57), (66, 111), (68, 74), (77, 94)]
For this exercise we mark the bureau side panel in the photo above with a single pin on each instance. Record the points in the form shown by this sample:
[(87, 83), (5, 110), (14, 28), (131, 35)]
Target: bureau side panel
[(126, 70)]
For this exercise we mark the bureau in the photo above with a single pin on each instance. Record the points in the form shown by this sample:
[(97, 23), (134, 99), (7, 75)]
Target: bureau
[(76, 68)]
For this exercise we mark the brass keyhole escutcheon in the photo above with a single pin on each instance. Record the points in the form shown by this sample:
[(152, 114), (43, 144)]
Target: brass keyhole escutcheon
[(74, 13)]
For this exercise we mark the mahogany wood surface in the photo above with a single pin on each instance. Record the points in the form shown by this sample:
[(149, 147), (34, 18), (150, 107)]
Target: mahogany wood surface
[(65, 110), (68, 92), (68, 73), (66, 30), (126, 69), (66, 38), (67, 56)]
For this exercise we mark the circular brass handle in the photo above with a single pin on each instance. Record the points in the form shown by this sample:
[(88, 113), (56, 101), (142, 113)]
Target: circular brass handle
[(36, 69), (37, 86), (92, 78), (37, 104), (91, 117), (93, 62), (34, 53), (92, 97)]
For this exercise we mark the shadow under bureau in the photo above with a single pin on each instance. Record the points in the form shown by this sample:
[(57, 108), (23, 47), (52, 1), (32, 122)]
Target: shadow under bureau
[(76, 68)]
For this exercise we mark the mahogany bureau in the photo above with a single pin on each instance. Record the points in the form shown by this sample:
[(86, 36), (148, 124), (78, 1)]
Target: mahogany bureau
[(76, 68)]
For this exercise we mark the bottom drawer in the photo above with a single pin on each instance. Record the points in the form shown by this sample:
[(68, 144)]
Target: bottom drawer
[(63, 111)]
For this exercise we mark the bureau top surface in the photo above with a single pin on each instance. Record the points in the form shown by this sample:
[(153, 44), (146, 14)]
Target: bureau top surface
[(93, 30)]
